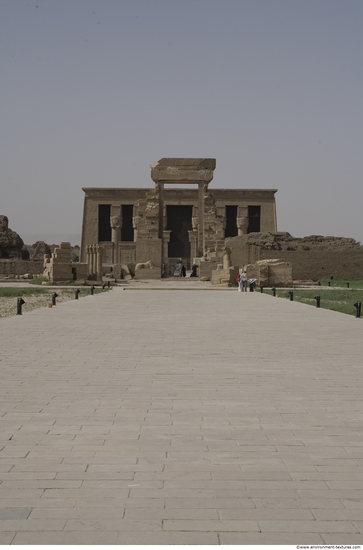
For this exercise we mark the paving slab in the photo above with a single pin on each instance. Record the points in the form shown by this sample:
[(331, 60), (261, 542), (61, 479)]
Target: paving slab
[(168, 412)]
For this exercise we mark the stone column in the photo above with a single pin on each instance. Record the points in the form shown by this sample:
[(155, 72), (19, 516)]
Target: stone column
[(99, 262), (202, 188), (159, 187), (193, 239), (135, 225), (89, 258), (242, 220), (242, 225), (94, 259), (226, 258), (116, 224), (166, 240)]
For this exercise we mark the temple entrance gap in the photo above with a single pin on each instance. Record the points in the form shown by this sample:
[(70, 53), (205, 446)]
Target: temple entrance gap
[(179, 222)]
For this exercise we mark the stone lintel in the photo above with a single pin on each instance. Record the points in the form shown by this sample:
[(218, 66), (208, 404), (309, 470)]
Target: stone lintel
[(128, 195), (183, 170)]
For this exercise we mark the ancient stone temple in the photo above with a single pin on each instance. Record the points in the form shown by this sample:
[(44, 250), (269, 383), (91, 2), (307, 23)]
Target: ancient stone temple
[(159, 226)]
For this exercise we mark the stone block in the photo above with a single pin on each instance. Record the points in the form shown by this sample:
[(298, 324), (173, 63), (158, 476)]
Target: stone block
[(253, 272), (225, 276), (116, 271), (126, 273), (149, 250), (206, 267), (148, 273), (183, 170), (263, 275), (280, 274)]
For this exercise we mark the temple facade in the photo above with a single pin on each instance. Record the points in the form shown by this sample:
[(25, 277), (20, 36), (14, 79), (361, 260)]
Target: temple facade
[(162, 224)]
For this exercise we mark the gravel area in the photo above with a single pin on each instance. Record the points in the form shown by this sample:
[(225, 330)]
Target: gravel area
[(8, 305)]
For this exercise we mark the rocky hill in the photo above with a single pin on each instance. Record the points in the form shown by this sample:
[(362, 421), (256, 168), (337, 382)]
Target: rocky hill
[(11, 244)]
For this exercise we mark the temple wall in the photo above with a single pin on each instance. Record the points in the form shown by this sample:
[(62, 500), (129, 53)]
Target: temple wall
[(21, 267), (314, 264), (242, 198)]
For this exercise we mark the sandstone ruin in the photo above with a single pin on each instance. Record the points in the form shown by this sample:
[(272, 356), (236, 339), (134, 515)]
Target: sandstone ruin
[(164, 225), (145, 232)]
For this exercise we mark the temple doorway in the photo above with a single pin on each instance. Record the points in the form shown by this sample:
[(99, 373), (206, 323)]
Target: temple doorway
[(179, 222)]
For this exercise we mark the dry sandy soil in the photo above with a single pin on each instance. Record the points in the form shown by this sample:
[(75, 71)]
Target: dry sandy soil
[(8, 306)]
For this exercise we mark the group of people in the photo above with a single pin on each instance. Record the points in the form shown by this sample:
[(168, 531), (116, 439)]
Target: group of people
[(182, 271), (242, 281)]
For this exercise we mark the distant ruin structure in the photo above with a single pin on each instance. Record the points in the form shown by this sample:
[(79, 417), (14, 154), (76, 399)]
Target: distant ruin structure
[(11, 244), (161, 225)]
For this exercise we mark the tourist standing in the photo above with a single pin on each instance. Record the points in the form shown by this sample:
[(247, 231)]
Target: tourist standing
[(244, 281), (239, 282)]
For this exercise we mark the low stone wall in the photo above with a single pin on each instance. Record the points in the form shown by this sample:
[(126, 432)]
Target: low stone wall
[(242, 253), (225, 276), (315, 264), (206, 267), (20, 267)]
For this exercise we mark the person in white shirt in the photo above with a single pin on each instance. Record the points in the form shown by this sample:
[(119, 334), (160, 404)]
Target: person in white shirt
[(243, 279)]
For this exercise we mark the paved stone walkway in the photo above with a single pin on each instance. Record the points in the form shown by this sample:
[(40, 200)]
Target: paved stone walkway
[(181, 417)]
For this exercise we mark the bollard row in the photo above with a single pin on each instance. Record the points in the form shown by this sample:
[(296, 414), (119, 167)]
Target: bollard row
[(357, 305), (20, 302)]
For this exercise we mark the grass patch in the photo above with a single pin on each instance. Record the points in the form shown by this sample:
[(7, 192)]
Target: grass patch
[(38, 280), (17, 292), (341, 300), (339, 282)]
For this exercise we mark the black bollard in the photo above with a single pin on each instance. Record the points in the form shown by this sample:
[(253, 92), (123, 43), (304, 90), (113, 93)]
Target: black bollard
[(317, 298), (319, 283), (251, 287), (54, 296), (347, 285), (103, 286), (76, 292), (92, 289), (261, 289), (328, 283), (291, 292), (273, 291), (357, 306), (19, 304), (108, 284)]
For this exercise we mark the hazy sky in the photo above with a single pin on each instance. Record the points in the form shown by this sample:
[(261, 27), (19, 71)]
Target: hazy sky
[(94, 91)]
